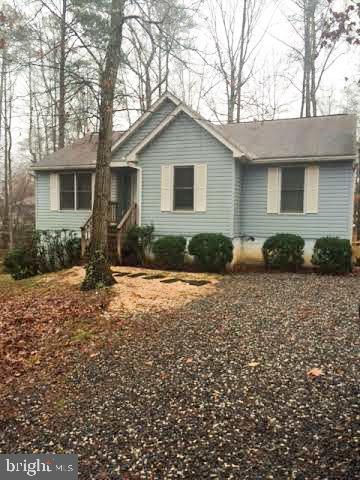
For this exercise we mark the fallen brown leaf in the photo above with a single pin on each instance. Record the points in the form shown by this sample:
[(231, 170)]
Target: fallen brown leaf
[(315, 372)]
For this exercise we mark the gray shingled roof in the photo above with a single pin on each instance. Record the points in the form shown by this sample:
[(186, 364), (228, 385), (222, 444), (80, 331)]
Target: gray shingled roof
[(80, 153), (332, 135), (326, 136)]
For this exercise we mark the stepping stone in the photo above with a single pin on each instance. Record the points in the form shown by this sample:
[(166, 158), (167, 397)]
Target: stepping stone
[(197, 283), (170, 280), (136, 275), (121, 274), (154, 277)]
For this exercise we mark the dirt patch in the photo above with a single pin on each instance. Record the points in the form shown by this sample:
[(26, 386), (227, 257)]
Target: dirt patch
[(137, 292)]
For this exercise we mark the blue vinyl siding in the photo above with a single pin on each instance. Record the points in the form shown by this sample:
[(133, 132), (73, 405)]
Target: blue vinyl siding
[(184, 142), (47, 219), (151, 122), (335, 205), (237, 197)]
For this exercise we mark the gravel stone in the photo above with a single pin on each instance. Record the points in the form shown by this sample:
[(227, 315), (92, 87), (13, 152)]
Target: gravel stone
[(217, 389)]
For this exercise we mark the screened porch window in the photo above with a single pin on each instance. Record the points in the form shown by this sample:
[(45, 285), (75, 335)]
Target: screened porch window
[(75, 191), (292, 189), (184, 188)]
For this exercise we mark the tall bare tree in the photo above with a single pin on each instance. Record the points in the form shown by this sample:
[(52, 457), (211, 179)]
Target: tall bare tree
[(235, 45), (309, 21)]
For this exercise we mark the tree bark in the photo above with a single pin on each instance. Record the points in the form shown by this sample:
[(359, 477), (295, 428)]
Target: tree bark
[(6, 166), (98, 269), (313, 59), (62, 119), (241, 61), (31, 118), (9, 165), (307, 59)]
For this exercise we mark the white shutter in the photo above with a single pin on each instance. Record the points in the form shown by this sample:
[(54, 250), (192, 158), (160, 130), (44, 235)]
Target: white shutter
[(273, 190), (54, 192), (312, 189), (166, 185), (92, 188), (200, 190), (113, 193)]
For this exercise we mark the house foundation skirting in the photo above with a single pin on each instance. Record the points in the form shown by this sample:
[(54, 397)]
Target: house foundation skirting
[(247, 252)]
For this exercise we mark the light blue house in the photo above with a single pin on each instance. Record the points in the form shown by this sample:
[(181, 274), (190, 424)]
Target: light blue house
[(187, 176)]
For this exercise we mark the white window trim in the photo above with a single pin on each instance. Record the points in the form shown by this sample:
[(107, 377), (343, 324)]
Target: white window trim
[(173, 187), (280, 192), (75, 209)]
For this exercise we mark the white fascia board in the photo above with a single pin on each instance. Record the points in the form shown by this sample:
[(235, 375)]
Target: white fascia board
[(140, 121), (54, 168), (335, 158)]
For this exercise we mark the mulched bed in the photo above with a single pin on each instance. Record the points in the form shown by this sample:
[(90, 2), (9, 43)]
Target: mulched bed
[(219, 389)]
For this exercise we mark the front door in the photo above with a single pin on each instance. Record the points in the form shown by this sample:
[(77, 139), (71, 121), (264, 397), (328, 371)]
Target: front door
[(124, 193)]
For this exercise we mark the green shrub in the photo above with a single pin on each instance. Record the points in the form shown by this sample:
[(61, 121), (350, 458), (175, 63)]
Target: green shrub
[(72, 247), (332, 255), (138, 242), (47, 252), (212, 251), (21, 263), (57, 249), (284, 250), (169, 251)]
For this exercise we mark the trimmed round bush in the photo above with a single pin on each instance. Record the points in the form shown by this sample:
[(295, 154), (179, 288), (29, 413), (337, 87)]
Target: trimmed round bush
[(21, 263), (169, 251), (332, 255), (284, 251), (212, 251)]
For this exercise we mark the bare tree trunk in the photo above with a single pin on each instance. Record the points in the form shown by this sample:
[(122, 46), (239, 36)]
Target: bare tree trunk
[(307, 60), (2, 79), (6, 168), (9, 165), (148, 96), (241, 61), (313, 59), (303, 92), (98, 268), (62, 119), (31, 119), (2, 98)]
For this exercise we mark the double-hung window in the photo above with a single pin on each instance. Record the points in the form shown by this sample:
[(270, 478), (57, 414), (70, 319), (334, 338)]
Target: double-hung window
[(75, 191), (184, 188), (292, 190)]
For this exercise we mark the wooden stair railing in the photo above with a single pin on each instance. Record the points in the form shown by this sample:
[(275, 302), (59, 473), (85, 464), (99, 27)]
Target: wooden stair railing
[(86, 235), (86, 228), (130, 218)]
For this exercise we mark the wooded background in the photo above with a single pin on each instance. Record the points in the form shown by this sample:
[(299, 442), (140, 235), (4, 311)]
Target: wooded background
[(232, 60)]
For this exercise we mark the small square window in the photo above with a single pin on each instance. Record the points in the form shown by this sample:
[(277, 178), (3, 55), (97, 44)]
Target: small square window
[(292, 189), (184, 188)]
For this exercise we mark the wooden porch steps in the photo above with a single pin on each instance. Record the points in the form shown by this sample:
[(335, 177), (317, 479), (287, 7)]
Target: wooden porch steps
[(116, 234)]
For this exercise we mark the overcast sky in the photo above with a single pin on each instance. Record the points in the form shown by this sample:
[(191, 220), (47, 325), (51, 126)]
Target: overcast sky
[(272, 54)]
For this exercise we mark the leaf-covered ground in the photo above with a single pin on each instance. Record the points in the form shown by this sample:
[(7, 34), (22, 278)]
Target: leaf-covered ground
[(260, 380), (42, 319)]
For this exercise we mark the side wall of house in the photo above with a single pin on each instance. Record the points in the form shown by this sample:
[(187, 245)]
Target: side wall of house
[(334, 217), (140, 133), (47, 219), (237, 197), (184, 142)]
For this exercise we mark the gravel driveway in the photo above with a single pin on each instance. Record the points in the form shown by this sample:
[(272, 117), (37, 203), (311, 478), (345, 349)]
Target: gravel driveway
[(219, 389)]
